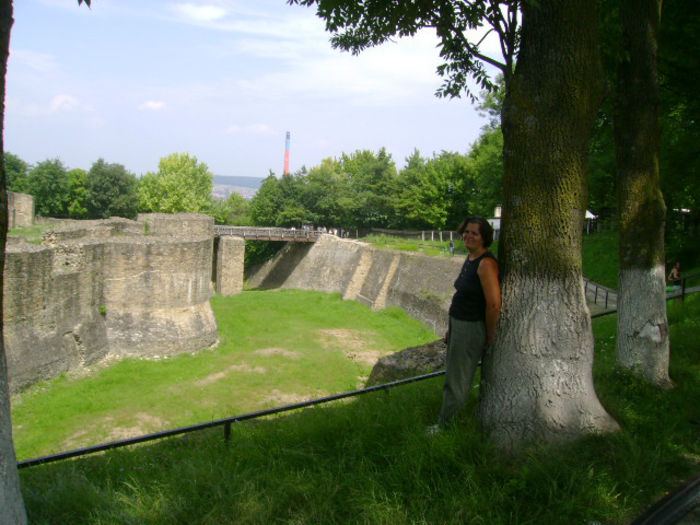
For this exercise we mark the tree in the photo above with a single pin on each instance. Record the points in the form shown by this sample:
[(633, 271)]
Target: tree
[(49, 184), (679, 67), (111, 191), (486, 164), (642, 326), (538, 375), (372, 182), (325, 194), (11, 503), (267, 202), (17, 172), (78, 193), (234, 210), (182, 184), (433, 193), (538, 378)]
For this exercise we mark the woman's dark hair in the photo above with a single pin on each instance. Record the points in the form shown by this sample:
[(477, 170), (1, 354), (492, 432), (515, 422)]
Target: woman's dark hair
[(485, 229)]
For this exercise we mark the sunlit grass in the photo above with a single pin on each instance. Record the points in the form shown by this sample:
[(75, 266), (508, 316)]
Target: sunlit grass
[(370, 461), (276, 348)]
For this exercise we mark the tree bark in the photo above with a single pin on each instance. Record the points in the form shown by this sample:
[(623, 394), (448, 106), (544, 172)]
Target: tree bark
[(537, 380), (642, 325), (11, 504)]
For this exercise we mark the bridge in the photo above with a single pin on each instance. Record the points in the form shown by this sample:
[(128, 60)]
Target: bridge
[(257, 233)]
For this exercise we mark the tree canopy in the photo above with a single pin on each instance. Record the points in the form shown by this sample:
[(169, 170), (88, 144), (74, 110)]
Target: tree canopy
[(181, 184), (111, 191)]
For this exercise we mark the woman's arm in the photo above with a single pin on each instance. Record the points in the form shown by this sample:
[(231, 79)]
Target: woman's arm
[(488, 275)]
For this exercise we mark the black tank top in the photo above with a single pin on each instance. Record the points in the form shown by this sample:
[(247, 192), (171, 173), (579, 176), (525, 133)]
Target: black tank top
[(468, 302)]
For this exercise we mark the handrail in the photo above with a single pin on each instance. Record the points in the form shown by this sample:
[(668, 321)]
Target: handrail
[(226, 422), (267, 232)]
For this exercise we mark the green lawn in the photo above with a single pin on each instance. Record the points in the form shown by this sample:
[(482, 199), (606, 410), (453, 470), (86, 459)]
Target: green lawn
[(276, 348), (371, 462)]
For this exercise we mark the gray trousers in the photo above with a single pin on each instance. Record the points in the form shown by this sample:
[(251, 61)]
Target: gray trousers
[(464, 351)]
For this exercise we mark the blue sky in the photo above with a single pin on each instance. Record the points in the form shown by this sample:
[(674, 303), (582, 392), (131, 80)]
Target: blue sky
[(132, 81)]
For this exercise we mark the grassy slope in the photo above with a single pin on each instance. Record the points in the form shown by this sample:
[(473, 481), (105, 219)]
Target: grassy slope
[(276, 348), (369, 461)]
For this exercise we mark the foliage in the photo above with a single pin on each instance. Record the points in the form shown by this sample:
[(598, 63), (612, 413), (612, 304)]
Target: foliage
[(17, 172), (679, 63), (355, 191), (77, 187), (486, 158), (181, 184), (679, 116), (372, 182), (234, 210), (111, 191), (49, 183)]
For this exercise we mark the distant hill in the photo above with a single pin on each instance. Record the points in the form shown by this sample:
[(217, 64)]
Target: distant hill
[(233, 180), (225, 185)]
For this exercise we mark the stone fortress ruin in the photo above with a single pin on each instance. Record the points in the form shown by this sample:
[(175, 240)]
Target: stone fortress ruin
[(110, 288), (107, 289)]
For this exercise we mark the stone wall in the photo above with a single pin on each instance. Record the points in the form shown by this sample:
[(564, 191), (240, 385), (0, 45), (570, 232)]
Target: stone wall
[(228, 267), (96, 289), (421, 285), (20, 209)]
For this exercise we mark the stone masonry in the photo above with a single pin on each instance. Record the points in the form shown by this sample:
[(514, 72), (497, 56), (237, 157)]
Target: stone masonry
[(112, 288)]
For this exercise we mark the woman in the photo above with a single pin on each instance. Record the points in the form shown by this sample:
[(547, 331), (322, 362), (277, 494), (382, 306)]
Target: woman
[(474, 313)]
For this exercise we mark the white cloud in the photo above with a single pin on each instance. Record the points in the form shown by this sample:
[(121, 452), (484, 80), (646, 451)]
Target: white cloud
[(391, 74), (152, 105), (199, 13), (41, 62), (63, 103)]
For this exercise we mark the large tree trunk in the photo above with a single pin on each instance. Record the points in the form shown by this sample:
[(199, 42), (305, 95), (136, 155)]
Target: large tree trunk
[(11, 504), (537, 379), (642, 326)]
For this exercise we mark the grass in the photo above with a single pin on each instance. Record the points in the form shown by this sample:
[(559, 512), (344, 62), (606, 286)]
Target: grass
[(32, 233), (276, 348), (370, 461), (600, 258), (427, 247)]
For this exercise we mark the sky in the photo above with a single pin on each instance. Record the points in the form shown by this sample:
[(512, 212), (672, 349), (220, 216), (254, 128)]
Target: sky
[(132, 81)]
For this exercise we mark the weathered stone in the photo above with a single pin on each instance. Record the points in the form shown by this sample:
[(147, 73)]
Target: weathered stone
[(229, 264), (111, 288), (20, 210), (410, 362)]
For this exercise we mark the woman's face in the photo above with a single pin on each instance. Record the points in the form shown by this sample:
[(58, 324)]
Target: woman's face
[(472, 237)]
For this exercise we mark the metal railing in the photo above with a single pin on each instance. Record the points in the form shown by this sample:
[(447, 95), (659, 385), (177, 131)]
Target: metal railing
[(683, 288), (597, 292), (268, 234), (225, 422)]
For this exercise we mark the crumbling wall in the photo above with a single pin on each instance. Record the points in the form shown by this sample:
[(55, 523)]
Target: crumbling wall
[(20, 209), (96, 289)]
